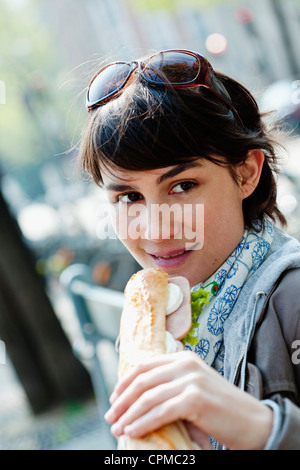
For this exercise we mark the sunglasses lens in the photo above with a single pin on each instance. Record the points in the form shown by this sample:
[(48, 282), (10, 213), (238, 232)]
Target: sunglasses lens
[(178, 68), (108, 81)]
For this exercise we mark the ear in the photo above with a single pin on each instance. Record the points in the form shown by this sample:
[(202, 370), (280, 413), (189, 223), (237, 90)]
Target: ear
[(250, 171)]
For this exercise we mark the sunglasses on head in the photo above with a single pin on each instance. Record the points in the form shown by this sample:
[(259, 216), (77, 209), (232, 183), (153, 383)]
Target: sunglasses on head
[(177, 68)]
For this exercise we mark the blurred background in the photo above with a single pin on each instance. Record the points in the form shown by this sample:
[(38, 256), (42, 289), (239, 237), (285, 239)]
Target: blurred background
[(52, 254)]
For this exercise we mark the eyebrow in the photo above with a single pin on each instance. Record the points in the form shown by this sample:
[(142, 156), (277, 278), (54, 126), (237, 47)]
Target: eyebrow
[(177, 170), (117, 187)]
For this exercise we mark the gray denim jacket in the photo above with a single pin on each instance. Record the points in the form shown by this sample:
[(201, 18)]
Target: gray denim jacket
[(259, 337)]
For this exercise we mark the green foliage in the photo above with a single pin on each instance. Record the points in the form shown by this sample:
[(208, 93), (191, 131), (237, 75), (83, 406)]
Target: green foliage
[(33, 118), (171, 5), (154, 4), (198, 300)]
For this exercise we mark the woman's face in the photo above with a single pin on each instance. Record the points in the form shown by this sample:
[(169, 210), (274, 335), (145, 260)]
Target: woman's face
[(185, 219)]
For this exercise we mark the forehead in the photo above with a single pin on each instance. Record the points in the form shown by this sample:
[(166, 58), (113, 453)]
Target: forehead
[(119, 174)]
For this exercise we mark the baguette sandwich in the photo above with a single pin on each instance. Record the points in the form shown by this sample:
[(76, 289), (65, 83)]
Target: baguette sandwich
[(152, 305)]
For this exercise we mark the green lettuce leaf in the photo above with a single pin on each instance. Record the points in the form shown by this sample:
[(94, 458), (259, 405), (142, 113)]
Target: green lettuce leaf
[(198, 300)]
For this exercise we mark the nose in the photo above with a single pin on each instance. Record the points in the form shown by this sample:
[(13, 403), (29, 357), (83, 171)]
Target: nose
[(162, 222)]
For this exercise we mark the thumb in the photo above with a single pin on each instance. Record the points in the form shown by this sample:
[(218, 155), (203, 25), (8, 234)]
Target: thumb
[(198, 436)]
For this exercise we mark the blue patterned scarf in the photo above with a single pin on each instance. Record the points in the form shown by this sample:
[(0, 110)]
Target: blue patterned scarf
[(230, 278)]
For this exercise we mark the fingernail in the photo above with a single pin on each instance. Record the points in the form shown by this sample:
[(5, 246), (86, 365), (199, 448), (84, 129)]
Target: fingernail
[(116, 430), (109, 415), (113, 397)]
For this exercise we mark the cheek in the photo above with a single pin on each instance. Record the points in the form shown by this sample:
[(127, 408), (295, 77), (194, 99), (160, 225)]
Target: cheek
[(125, 227), (225, 211), (119, 221), (224, 206), (193, 226)]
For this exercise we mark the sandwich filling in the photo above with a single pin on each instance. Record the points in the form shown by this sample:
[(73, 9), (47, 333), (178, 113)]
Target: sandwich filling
[(175, 299)]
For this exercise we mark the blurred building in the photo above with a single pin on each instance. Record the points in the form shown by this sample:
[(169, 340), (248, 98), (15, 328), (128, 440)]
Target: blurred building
[(245, 39)]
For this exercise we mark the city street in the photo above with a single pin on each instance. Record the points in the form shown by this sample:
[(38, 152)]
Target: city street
[(52, 214)]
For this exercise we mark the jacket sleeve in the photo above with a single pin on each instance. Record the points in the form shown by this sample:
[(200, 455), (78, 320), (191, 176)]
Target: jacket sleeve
[(285, 433), (285, 302), (285, 306)]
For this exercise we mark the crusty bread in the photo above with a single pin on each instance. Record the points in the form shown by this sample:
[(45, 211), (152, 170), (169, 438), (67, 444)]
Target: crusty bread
[(142, 328), (171, 437), (142, 336)]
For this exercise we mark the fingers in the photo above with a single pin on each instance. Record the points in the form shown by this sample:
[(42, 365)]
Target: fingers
[(142, 368), (154, 393), (165, 359), (138, 383), (157, 417), (153, 409), (181, 386)]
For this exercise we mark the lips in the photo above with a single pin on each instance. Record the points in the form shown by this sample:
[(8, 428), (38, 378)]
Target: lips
[(171, 259), (173, 255)]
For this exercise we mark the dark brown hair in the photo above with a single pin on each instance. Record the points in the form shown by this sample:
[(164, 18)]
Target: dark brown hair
[(149, 127)]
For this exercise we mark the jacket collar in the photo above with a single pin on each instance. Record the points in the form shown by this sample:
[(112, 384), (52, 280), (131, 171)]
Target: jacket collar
[(240, 326)]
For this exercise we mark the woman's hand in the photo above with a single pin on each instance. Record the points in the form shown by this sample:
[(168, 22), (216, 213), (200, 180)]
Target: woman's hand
[(181, 386)]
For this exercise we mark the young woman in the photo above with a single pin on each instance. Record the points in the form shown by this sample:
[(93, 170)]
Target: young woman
[(169, 131)]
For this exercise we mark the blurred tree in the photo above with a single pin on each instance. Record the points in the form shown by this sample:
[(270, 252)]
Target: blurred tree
[(35, 341), (32, 131), (35, 119)]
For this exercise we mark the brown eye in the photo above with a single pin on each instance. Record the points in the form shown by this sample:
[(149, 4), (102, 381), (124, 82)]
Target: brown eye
[(183, 187), (129, 197)]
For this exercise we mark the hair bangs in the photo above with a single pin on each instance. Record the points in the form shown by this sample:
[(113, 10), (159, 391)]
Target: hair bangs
[(152, 129)]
